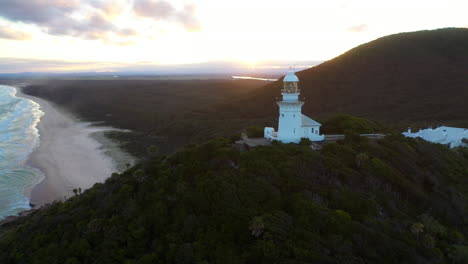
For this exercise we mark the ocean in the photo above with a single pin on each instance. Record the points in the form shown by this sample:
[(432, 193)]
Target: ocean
[(18, 137)]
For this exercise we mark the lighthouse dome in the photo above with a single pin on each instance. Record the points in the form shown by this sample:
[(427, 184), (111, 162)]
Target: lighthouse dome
[(290, 77)]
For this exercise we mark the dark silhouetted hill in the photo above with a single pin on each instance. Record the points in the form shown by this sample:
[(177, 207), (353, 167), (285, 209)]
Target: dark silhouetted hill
[(407, 77)]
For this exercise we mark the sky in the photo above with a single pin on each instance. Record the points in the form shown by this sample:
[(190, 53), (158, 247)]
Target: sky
[(104, 35)]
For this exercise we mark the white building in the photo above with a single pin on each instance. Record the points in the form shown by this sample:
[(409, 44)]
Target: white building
[(449, 136), (292, 124)]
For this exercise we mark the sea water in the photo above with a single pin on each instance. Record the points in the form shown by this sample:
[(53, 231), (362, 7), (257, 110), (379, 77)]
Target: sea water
[(18, 137)]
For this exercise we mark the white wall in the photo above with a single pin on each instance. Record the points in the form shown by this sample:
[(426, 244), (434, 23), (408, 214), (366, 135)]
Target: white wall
[(290, 121), (315, 135)]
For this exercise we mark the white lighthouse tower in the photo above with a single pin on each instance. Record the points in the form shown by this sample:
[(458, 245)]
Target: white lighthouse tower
[(292, 124)]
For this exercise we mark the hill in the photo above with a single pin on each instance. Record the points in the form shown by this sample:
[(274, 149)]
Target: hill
[(400, 79), (395, 200)]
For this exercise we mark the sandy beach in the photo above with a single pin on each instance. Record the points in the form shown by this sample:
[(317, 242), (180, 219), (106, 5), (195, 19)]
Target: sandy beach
[(67, 154)]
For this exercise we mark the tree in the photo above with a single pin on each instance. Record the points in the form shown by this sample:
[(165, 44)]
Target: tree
[(459, 254), (256, 226), (432, 225), (428, 241), (361, 158), (152, 151), (417, 229)]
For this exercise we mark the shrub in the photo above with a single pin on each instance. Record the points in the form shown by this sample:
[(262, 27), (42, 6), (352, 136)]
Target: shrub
[(305, 142), (340, 123), (254, 132)]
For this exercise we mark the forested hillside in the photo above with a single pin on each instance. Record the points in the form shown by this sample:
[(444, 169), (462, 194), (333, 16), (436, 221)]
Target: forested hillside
[(166, 113), (400, 79), (396, 200)]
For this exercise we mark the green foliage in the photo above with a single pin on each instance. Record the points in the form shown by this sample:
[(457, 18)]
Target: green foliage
[(305, 142), (432, 225), (152, 151), (254, 132), (417, 228), (235, 138), (340, 124), (459, 254), (351, 202)]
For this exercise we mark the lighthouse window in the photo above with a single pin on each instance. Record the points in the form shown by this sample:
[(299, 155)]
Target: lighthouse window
[(294, 115), (282, 115)]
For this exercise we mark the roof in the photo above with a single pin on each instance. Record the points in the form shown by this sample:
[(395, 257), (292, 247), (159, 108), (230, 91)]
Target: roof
[(290, 77), (307, 121), (442, 135)]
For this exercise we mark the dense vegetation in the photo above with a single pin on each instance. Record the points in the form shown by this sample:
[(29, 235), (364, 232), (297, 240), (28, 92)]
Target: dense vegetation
[(340, 124), (395, 200), (166, 113)]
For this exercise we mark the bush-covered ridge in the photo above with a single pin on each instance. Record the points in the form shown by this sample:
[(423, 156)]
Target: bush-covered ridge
[(400, 79), (340, 124), (396, 200)]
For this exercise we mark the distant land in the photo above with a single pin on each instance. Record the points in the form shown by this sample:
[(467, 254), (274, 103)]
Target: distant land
[(28, 68)]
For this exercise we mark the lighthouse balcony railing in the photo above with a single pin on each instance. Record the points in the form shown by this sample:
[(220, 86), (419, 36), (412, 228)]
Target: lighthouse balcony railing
[(290, 90)]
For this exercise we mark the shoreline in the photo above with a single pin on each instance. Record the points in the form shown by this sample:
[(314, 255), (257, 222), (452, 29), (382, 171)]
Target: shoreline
[(69, 154)]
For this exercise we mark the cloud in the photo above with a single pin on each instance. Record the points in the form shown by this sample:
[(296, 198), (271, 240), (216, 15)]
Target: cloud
[(358, 28), (8, 33), (55, 17), (110, 8), (154, 9), (95, 26), (163, 10), (127, 32), (188, 19), (36, 11), (93, 19)]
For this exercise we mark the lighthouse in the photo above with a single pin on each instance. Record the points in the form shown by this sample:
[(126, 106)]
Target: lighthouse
[(292, 124)]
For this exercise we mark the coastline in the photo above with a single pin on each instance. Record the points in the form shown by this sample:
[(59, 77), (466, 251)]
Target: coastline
[(70, 154)]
